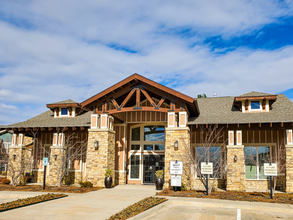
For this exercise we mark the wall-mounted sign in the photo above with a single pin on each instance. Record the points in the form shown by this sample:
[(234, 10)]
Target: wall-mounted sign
[(176, 180), (45, 161), (176, 167), (206, 168), (270, 169)]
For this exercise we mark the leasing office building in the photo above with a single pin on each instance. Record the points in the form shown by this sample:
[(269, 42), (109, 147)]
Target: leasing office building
[(132, 128)]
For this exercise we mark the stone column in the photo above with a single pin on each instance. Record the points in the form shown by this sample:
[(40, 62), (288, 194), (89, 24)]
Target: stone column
[(98, 160), (57, 157), (182, 135), (235, 168), (289, 169)]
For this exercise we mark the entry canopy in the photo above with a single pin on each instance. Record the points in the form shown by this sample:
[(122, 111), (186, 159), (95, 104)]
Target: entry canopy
[(137, 93)]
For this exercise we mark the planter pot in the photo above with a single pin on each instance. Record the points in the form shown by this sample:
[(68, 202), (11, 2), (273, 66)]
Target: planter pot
[(108, 182), (159, 184)]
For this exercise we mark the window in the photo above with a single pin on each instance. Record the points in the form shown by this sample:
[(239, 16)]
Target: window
[(255, 105), (135, 134), (135, 147), (134, 166), (154, 133), (255, 157), (213, 154), (64, 111)]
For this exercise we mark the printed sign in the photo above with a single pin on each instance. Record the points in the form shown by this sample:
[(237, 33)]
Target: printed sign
[(270, 169), (206, 168), (45, 161), (176, 180), (176, 167)]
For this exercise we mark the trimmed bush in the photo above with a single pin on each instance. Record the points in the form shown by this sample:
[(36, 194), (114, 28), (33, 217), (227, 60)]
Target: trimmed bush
[(85, 184), (5, 181)]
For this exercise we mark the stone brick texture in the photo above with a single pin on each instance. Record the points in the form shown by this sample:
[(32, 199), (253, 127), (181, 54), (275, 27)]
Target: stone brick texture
[(183, 138), (103, 158), (289, 169)]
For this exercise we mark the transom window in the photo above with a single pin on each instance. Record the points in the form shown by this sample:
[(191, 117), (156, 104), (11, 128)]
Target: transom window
[(148, 138), (255, 157), (255, 105)]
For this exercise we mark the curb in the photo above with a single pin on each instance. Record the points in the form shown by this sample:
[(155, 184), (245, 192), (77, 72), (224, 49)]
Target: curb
[(150, 211)]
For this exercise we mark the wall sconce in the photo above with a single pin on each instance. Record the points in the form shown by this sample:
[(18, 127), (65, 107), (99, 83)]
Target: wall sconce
[(235, 158), (14, 156), (96, 145), (55, 157), (176, 145)]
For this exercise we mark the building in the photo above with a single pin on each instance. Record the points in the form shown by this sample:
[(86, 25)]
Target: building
[(5, 142), (138, 126)]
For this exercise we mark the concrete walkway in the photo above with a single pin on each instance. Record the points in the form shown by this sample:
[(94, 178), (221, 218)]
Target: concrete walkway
[(99, 204)]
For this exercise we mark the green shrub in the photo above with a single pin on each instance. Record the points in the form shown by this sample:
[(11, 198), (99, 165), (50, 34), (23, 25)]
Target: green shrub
[(85, 184), (159, 174), (183, 187), (108, 172), (5, 181)]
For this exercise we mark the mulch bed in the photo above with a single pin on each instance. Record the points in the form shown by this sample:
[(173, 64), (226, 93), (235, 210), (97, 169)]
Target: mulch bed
[(138, 207), (30, 201), (286, 198), (38, 188)]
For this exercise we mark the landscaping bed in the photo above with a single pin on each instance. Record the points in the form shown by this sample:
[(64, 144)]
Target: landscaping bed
[(30, 201), (138, 207), (38, 188), (286, 198)]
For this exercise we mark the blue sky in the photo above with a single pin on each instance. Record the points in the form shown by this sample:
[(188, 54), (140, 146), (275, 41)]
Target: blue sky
[(56, 50)]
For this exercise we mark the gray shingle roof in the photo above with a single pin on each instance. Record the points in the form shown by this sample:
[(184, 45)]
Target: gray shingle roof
[(68, 101), (253, 93), (220, 110), (47, 119)]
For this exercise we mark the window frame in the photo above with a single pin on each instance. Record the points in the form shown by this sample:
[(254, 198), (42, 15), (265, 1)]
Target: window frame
[(139, 167), (257, 110), (273, 153), (60, 112)]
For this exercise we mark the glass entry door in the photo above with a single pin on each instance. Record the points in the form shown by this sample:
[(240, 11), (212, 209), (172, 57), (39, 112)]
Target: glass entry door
[(152, 163)]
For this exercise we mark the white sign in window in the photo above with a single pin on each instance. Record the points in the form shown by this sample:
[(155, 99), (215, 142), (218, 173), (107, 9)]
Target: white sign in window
[(176, 180), (206, 168), (270, 169), (45, 161), (176, 167)]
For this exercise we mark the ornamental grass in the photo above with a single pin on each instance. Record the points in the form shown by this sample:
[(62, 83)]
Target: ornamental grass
[(138, 207), (29, 201)]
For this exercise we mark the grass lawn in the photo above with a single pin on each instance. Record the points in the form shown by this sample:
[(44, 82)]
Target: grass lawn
[(38, 188), (286, 198)]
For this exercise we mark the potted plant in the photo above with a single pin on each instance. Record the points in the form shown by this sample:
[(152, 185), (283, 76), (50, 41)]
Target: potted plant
[(159, 180), (108, 178)]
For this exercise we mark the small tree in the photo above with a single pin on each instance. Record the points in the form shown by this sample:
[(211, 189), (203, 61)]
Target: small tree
[(201, 95), (212, 149)]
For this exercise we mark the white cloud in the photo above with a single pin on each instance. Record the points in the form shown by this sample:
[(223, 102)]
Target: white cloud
[(52, 50)]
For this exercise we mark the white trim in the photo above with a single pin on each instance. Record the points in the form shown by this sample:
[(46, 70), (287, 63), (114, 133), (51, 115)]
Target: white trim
[(55, 135), (289, 134), (14, 140), (106, 120), (230, 132), (20, 139), (172, 114), (185, 118), (239, 142), (243, 106), (267, 105), (97, 120), (73, 112), (62, 139)]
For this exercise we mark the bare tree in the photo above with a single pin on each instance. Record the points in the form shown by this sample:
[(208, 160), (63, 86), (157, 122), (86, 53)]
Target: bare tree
[(211, 149), (72, 150)]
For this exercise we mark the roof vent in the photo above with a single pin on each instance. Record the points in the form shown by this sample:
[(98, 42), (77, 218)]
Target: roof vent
[(215, 94)]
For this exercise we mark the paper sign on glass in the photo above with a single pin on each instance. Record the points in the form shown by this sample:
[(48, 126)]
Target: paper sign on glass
[(206, 168)]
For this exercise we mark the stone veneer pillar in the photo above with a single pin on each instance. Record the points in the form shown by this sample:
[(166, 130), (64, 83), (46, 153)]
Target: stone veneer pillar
[(54, 168), (182, 135), (97, 161), (289, 169), (235, 169)]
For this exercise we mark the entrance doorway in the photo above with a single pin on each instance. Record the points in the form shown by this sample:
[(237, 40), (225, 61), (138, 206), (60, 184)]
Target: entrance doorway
[(152, 163)]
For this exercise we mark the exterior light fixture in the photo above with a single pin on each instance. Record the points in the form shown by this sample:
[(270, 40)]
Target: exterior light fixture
[(14, 156), (96, 145), (235, 158), (176, 145), (55, 157)]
